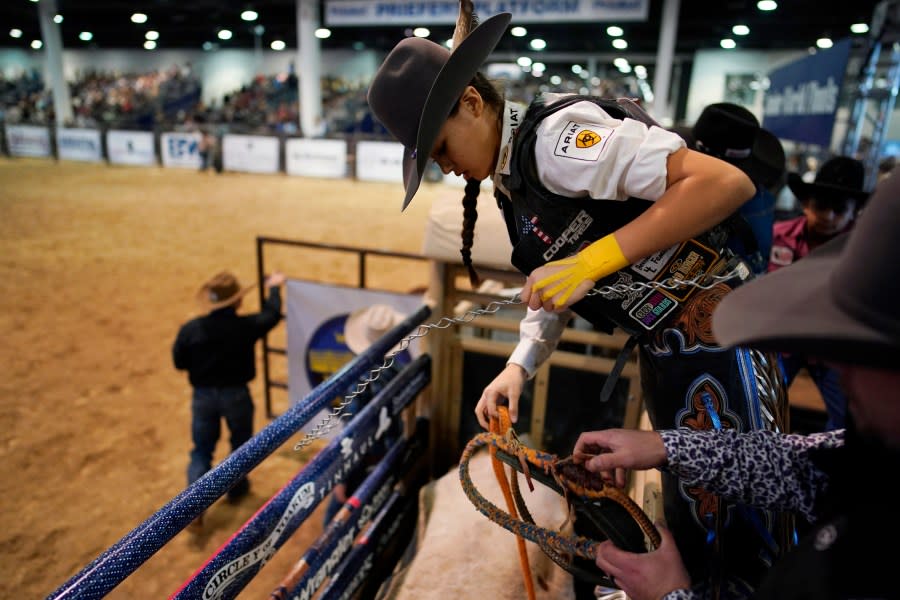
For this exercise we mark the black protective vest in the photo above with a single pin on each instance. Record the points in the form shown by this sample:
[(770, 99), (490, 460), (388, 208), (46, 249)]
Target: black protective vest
[(544, 226)]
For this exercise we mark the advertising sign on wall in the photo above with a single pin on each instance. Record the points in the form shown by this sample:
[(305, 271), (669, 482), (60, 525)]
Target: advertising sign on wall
[(130, 147), (180, 149), (379, 161), (316, 158), (327, 325), (802, 98), (250, 153), (79, 144), (28, 140), (431, 12)]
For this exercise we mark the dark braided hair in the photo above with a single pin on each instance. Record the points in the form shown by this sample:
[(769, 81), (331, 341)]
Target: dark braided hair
[(470, 215), (493, 98)]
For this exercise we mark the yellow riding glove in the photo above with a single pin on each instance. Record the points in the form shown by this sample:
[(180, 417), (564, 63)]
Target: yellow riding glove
[(598, 260)]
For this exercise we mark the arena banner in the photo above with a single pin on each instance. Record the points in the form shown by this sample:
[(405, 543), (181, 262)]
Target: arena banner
[(28, 140), (180, 149), (250, 153), (79, 144), (130, 147), (379, 161), (802, 99), (327, 325), (316, 158), (444, 12)]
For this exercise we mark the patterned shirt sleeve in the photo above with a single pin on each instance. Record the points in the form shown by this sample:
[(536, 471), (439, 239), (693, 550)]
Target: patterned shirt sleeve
[(762, 468)]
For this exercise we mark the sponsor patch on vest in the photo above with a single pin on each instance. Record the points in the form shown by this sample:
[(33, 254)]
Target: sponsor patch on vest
[(582, 142), (652, 308), (781, 255), (651, 266)]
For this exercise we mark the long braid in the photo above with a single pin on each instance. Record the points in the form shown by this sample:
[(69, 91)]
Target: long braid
[(470, 215)]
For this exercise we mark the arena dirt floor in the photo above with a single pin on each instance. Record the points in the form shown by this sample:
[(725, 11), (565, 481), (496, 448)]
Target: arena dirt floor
[(99, 268)]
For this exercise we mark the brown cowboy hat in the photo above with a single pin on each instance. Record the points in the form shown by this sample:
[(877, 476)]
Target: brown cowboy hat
[(222, 290), (417, 86), (840, 177), (732, 133), (838, 303)]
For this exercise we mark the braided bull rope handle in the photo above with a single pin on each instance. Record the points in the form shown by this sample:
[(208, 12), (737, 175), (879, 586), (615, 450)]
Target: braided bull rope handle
[(572, 545)]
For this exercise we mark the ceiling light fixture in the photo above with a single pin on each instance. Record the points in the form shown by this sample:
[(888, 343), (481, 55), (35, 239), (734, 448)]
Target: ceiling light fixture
[(728, 43), (537, 44), (149, 44), (767, 5), (740, 30), (249, 15), (138, 18), (152, 35), (57, 19), (619, 44), (422, 32), (224, 34), (16, 33), (614, 31), (37, 44), (518, 31), (277, 45), (859, 28), (824, 43), (323, 33), (85, 36)]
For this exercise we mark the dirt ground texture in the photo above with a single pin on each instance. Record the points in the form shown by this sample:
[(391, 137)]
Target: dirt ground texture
[(99, 266)]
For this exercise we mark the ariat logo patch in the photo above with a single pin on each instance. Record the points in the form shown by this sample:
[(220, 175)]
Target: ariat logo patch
[(587, 138), (582, 142)]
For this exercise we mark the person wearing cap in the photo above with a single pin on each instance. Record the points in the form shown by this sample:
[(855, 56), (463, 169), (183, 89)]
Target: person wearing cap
[(732, 133), (593, 190), (837, 304), (830, 203), (217, 351)]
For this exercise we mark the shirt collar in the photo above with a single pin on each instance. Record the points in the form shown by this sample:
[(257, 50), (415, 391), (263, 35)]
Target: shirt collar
[(513, 114)]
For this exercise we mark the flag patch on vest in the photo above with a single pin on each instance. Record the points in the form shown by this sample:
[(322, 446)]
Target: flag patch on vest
[(781, 256), (582, 142)]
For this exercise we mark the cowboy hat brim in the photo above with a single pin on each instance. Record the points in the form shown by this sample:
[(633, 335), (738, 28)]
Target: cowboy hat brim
[(462, 65), (803, 190), (805, 318), (203, 297)]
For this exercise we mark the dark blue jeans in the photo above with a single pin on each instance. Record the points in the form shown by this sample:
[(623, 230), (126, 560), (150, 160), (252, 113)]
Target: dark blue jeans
[(828, 382), (208, 407)]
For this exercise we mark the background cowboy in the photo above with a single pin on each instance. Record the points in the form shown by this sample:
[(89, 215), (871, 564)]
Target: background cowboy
[(217, 351), (830, 204)]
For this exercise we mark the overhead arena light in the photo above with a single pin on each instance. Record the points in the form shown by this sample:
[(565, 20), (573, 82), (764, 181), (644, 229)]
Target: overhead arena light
[(323, 33), (249, 15), (277, 45), (85, 36), (224, 34), (138, 18)]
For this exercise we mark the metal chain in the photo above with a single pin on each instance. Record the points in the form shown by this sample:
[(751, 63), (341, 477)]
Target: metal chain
[(338, 412)]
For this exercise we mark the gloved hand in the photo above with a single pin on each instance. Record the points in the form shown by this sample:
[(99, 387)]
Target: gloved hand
[(598, 260)]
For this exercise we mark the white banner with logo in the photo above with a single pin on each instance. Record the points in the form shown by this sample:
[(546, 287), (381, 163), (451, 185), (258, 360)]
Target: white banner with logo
[(250, 153), (130, 147), (316, 158), (180, 149), (327, 325), (78, 144), (28, 140), (444, 12), (379, 161)]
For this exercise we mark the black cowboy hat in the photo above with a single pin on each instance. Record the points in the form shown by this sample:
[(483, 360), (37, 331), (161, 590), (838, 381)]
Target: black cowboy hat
[(418, 85), (840, 177), (732, 133), (838, 303)]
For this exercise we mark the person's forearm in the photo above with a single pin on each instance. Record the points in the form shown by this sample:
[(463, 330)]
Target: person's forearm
[(762, 468), (691, 205)]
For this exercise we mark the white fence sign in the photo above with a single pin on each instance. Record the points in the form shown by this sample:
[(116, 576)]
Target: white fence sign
[(180, 149), (28, 140), (130, 147), (316, 158), (79, 144), (379, 161), (250, 153)]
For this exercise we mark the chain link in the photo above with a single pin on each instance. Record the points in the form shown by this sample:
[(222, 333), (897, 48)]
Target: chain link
[(338, 412)]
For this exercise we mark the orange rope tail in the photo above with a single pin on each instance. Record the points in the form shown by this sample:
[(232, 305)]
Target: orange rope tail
[(501, 426)]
